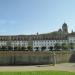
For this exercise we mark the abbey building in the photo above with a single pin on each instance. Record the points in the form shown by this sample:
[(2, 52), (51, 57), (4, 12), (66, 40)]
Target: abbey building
[(40, 42)]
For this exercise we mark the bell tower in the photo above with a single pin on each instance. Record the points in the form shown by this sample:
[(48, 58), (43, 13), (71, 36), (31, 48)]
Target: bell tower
[(65, 28)]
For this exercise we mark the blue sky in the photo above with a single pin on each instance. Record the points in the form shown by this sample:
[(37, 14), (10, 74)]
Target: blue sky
[(32, 16)]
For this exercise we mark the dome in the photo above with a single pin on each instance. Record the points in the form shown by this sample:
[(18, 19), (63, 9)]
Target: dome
[(65, 28), (65, 24)]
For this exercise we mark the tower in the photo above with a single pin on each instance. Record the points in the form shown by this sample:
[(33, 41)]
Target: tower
[(65, 28)]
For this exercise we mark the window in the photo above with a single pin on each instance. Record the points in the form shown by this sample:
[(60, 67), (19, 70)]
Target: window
[(34, 44), (51, 40), (48, 41)]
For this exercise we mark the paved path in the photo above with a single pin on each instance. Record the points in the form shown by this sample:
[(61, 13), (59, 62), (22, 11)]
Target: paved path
[(59, 67)]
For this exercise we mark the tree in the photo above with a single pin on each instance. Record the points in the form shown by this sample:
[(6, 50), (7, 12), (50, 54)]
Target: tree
[(10, 48), (43, 48), (18, 48), (37, 48), (64, 46), (51, 48), (15, 48), (29, 48), (23, 48), (71, 46), (4, 48), (0, 47), (57, 46)]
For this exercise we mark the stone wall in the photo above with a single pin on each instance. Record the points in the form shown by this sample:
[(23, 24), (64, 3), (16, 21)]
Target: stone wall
[(29, 58)]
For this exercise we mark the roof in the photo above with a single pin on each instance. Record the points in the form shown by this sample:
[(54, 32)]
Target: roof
[(71, 34), (46, 36)]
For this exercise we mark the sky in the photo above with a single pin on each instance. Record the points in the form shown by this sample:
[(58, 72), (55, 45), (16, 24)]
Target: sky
[(18, 17)]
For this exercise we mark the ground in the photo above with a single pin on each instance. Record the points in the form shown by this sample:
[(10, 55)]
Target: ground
[(58, 67)]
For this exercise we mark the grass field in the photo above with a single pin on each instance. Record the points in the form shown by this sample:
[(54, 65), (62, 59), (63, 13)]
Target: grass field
[(38, 73)]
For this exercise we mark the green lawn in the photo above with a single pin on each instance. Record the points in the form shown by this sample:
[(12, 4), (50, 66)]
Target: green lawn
[(38, 73)]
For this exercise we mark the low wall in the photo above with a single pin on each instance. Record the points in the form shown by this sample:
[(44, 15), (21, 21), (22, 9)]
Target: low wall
[(29, 58)]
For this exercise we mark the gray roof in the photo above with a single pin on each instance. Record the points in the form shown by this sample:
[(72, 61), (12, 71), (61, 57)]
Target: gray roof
[(46, 36)]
